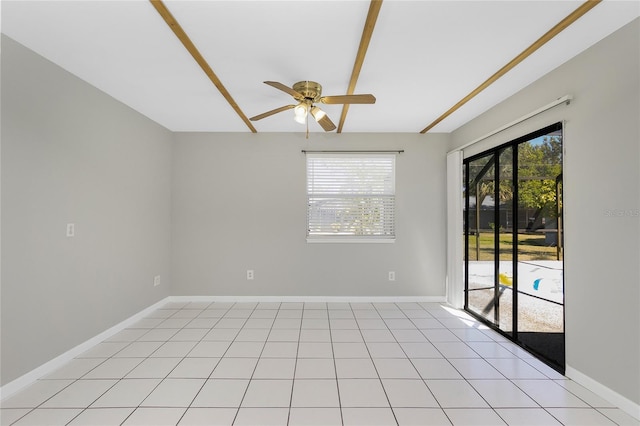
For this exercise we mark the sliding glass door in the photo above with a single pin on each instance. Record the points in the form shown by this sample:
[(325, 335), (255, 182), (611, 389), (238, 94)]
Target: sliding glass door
[(513, 241)]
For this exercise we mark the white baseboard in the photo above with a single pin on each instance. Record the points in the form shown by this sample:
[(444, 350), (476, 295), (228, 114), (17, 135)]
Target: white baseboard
[(52, 365), (350, 299), (603, 391)]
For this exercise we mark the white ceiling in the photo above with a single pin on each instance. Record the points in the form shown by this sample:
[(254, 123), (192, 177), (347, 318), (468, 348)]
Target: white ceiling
[(424, 56)]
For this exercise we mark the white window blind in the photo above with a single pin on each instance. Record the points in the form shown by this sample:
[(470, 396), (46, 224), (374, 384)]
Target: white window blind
[(351, 196)]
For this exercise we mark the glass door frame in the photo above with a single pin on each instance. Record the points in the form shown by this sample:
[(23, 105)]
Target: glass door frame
[(495, 154)]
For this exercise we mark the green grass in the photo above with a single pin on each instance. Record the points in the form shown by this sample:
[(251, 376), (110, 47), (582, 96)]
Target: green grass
[(530, 247)]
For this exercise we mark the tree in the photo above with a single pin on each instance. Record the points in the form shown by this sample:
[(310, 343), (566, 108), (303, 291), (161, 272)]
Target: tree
[(539, 165)]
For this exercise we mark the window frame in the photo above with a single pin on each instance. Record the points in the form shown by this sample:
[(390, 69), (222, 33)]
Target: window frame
[(351, 238)]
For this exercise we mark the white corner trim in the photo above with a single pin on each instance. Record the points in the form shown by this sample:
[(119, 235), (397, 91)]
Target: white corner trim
[(57, 362), (350, 299), (603, 391), (455, 220)]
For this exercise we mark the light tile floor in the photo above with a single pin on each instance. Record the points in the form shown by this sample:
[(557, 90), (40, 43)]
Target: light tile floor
[(262, 364)]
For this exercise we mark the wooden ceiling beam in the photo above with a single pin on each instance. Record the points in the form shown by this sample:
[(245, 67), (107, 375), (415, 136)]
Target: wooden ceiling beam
[(191, 48), (367, 32), (557, 29)]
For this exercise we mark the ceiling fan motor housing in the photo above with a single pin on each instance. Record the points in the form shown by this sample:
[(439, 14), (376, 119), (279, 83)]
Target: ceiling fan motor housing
[(309, 89)]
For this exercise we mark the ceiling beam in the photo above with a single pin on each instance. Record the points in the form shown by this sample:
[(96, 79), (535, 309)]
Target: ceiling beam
[(191, 48), (570, 19), (367, 32)]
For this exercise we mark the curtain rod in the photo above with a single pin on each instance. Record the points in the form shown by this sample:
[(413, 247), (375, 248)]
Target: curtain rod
[(565, 99), (399, 151)]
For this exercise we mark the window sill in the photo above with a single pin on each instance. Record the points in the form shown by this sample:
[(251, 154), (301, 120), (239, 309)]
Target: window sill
[(350, 240)]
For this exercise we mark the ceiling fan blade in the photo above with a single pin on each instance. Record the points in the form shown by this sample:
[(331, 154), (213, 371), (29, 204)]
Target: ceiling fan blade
[(286, 89), (349, 99), (323, 119), (326, 123), (273, 111)]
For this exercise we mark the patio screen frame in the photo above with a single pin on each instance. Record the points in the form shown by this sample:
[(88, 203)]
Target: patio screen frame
[(494, 161)]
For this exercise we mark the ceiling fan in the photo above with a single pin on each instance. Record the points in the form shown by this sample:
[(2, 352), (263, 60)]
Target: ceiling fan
[(308, 93)]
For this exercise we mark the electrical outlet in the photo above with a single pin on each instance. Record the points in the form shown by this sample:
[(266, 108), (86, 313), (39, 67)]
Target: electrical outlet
[(71, 229), (156, 281), (249, 274), (392, 276)]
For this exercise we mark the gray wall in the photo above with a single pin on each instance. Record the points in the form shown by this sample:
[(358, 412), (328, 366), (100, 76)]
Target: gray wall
[(70, 153), (602, 200), (239, 202)]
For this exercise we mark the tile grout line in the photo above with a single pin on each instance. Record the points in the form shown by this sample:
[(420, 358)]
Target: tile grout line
[(187, 355), (149, 357), (295, 364), (454, 367), (546, 378), (227, 350), (335, 368), (118, 381), (464, 378), (167, 375), (73, 381), (101, 395), (386, 395), (510, 380), (411, 361)]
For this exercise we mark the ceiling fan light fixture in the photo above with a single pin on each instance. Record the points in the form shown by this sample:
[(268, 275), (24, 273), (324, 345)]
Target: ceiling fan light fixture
[(300, 119), (300, 112)]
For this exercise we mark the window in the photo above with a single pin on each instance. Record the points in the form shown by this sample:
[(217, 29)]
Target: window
[(350, 197)]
